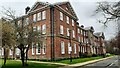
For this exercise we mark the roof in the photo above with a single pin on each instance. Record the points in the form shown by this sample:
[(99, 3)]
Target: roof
[(89, 28), (54, 4), (99, 34)]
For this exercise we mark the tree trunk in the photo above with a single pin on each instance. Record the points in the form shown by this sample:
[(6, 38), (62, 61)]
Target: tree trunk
[(4, 56), (22, 57)]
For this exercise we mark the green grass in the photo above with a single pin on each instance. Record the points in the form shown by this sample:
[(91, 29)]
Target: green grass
[(79, 60), (18, 64)]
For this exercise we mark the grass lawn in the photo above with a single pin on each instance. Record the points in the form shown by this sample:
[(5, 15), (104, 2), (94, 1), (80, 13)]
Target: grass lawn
[(18, 64), (79, 60)]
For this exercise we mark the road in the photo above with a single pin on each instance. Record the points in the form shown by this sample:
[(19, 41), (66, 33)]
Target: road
[(109, 63)]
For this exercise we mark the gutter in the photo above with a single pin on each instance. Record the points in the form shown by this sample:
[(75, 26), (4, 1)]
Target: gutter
[(52, 32)]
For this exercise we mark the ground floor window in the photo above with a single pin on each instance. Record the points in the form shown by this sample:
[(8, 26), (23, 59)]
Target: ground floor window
[(38, 49), (62, 48), (44, 48)]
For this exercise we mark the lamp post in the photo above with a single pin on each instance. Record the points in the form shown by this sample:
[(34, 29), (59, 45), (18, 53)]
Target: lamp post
[(70, 46)]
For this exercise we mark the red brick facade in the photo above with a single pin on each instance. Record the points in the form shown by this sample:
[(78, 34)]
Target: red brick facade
[(83, 41)]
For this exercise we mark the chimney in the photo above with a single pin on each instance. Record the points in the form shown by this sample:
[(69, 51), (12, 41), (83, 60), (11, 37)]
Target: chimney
[(27, 9), (82, 26)]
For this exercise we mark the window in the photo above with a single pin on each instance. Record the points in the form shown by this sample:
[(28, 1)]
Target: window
[(2, 51), (72, 22), (19, 22), (43, 15), (38, 49), (61, 16), (17, 51), (68, 33), (79, 38), (27, 21), (10, 52), (44, 48), (39, 16), (73, 33), (61, 29), (62, 48), (78, 30), (67, 19), (33, 49), (34, 28), (83, 49), (38, 28), (69, 48), (34, 18), (44, 29), (81, 31), (75, 49)]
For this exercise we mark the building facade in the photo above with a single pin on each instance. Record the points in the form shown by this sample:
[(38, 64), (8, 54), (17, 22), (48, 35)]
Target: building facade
[(63, 35)]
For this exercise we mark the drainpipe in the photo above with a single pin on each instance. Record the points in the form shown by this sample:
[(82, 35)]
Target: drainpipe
[(52, 32)]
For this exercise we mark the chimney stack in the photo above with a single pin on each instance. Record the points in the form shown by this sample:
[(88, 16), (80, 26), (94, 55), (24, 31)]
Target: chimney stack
[(27, 9)]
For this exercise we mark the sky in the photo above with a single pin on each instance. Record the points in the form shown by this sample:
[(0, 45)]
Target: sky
[(84, 10)]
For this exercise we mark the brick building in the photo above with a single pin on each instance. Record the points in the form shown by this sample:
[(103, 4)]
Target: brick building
[(63, 35)]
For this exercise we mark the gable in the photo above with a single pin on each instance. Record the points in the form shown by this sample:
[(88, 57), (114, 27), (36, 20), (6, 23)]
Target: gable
[(38, 5), (67, 7)]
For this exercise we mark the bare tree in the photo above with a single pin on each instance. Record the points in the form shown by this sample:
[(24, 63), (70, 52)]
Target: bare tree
[(25, 33), (111, 13)]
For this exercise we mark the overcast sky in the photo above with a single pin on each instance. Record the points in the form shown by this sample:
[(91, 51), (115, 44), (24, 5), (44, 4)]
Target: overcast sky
[(84, 9)]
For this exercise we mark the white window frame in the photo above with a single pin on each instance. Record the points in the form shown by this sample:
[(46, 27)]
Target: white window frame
[(39, 16), (69, 48), (61, 29), (37, 49), (34, 18), (62, 47), (73, 22), (43, 15), (38, 28), (75, 49), (67, 19), (73, 33), (68, 33), (44, 29), (27, 21), (2, 51), (79, 38), (44, 48), (34, 28), (78, 30), (11, 52), (61, 16), (33, 51), (17, 51)]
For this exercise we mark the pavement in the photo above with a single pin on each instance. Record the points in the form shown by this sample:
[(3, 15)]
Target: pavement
[(89, 64)]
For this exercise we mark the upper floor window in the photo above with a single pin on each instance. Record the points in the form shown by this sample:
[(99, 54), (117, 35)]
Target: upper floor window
[(79, 38), (67, 19), (61, 29), (81, 31), (73, 33), (72, 22), (68, 34), (61, 16), (78, 30), (43, 15), (34, 18), (44, 29), (62, 48), (39, 16), (27, 21)]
